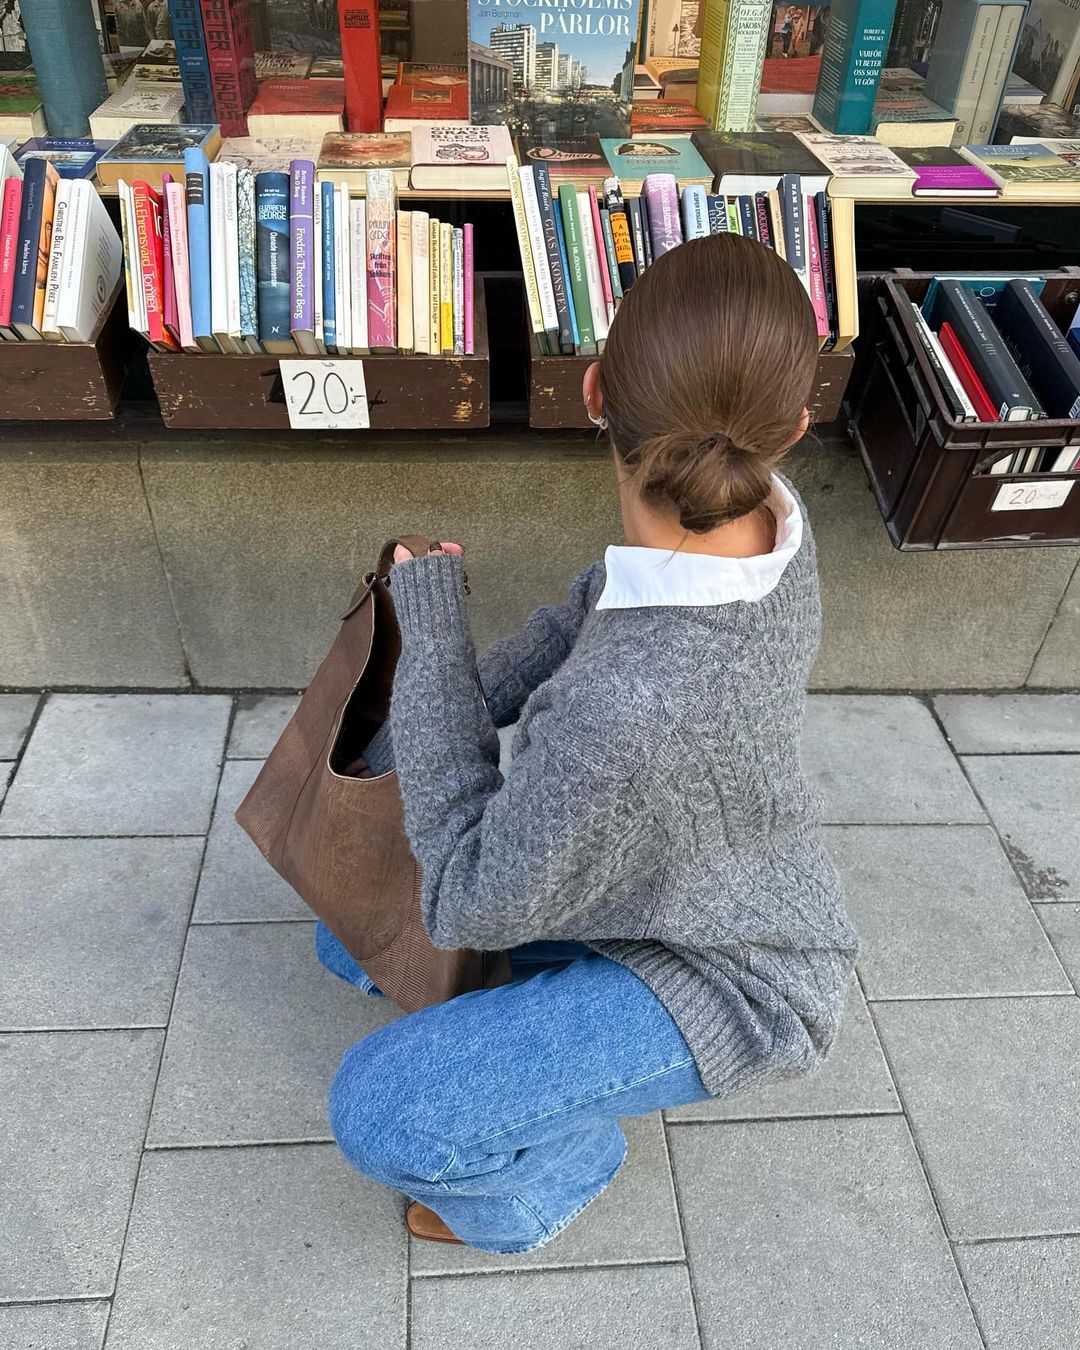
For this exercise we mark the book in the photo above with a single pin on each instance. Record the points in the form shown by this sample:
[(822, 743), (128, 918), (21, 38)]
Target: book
[(747, 217), (793, 223), (695, 212), (961, 409), (521, 227), (579, 282), (407, 104), (358, 273), (815, 276), (157, 63), (560, 234), (459, 158), (661, 194), (93, 264), (406, 338), (32, 257), (717, 208), (148, 242), (431, 73), (193, 59), (49, 330), (434, 284), (231, 50), (446, 288), (10, 211), (741, 162), (459, 292), (223, 249), (132, 277), (302, 256), (131, 106), (851, 61), (734, 39), (1002, 52), (597, 308), (197, 193), (609, 254), (966, 375), (1048, 53), (620, 233), (61, 36), (245, 232), (284, 65), (176, 213), (909, 118), (150, 149), (636, 222), (172, 321), (632, 161), (71, 157), (468, 284), (1042, 354), (346, 157), (1029, 172), (579, 161), (381, 280), (269, 154), (1022, 122), (912, 33), (1012, 396), (944, 172), (327, 68), (297, 108), (343, 269), (646, 89), (328, 277), (606, 289), (860, 166), (317, 316), (665, 116), (669, 28), (358, 22), (547, 206), (421, 279), (961, 58), (21, 113)]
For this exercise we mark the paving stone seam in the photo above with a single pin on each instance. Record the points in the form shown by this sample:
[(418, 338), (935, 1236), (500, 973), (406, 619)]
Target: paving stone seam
[(108, 838), (665, 1125), (219, 1145), (1038, 907), (606, 1263), (166, 572), (1051, 621), (48, 1301), (1017, 1237), (172, 1002), (250, 923), (978, 998), (681, 1122), (35, 717)]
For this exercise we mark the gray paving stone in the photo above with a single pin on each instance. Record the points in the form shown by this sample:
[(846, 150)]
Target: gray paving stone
[(6, 773), (1026, 1295), (1062, 924), (269, 1248), (257, 1033), (73, 1109), (1001, 724), (16, 714), (92, 929), (854, 1080), (992, 1091), (1033, 800), (53, 1326), (811, 1233), (119, 764), (881, 759), (237, 883), (634, 1220), (940, 913), (259, 721), (573, 1309)]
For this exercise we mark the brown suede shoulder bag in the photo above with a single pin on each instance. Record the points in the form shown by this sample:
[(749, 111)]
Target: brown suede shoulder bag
[(339, 840)]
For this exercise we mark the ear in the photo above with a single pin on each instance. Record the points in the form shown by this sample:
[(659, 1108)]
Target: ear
[(804, 426), (590, 391)]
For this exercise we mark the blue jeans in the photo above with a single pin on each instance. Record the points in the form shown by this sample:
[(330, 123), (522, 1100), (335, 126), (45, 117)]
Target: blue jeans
[(499, 1110)]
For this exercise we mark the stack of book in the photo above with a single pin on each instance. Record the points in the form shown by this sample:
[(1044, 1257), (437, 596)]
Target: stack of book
[(230, 261), (60, 256), (999, 356)]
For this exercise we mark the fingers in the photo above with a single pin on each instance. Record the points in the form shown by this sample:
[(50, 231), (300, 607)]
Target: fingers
[(402, 554), (452, 548)]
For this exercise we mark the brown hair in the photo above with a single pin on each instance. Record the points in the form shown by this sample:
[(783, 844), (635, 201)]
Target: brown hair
[(706, 372)]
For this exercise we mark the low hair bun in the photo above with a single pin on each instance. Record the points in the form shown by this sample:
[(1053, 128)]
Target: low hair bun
[(705, 479)]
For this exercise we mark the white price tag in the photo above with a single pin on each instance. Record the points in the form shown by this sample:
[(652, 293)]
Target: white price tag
[(1041, 495), (325, 395)]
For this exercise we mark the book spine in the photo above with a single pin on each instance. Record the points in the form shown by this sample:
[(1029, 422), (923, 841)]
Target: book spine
[(793, 213), (561, 233), (546, 204), (991, 96), (175, 207), (301, 254), (579, 282), (434, 284), (446, 288), (661, 198), (381, 288), (44, 246), (601, 258), (733, 216), (405, 338), (459, 293), (127, 227), (715, 18), (745, 40), (959, 61), (609, 254), (965, 372), (193, 59), (197, 193), (469, 282), (637, 233), (548, 310), (828, 263), (69, 281), (592, 271), (9, 246), (744, 204), (762, 219), (421, 279), (342, 269), (245, 241), (1044, 357), (620, 233), (62, 38), (22, 300), (219, 261), (358, 264), (521, 225), (360, 53), (955, 396), (272, 258), (695, 212), (54, 273), (851, 62), (718, 221), (168, 274), (148, 264), (328, 273), (231, 53), (815, 279), (987, 353), (318, 318)]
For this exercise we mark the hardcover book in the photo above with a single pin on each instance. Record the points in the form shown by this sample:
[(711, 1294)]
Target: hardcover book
[(1043, 355), (185, 17), (71, 157), (1031, 172), (197, 191), (158, 63), (35, 226), (744, 162), (359, 26), (908, 117), (970, 63), (851, 62), (93, 263), (128, 106), (346, 157), (944, 172), (431, 73), (733, 45), (381, 276), (632, 160), (302, 256), (407, 104), (231, 50), (577, 160), (268, 154), (464, 159), (283, 65), (661, 195), (860, 166), (1012, 396), (10, 212), (148, 150), (665, 115), (297, 108)]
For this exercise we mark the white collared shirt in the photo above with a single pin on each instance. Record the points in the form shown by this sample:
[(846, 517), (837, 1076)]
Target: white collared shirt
[(642, 577)]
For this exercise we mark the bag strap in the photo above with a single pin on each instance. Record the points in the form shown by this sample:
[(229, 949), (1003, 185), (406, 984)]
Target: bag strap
[(417, 545)]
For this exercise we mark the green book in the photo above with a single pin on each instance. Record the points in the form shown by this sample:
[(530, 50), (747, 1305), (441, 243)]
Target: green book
[(579, 284)]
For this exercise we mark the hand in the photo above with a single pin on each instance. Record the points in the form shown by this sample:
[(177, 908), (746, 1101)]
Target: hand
[(402, 554)]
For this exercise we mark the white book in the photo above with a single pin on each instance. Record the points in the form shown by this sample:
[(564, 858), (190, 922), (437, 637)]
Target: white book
[(138, 281), (548, 313), (317, 271), (421, 281), (176, 207), (60, 227), (78, 212), (970, 415), (459, 292), (127, 231), (8, 167), (219, 259), (136, 103), (358, 268), (404, 273), (592, 272), (99, 260), (232, 258), (342, 269)]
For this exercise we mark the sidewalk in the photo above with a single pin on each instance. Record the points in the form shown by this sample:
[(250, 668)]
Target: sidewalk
[(167, 1180)]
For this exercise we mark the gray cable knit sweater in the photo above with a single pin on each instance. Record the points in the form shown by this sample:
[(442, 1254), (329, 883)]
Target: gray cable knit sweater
[(655, 808)]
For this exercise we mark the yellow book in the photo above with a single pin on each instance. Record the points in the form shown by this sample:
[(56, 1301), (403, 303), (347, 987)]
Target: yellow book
[(405, 340), (434, 240), (446, 288)]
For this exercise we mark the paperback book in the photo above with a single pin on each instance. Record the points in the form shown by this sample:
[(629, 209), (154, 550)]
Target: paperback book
[(631, 161), (71, 157), (348, 157)]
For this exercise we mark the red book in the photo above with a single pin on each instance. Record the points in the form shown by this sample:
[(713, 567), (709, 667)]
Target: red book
[(965, 373), (9, 245), (362, 58), (170, 312), (659, 115), (149, 242), (301, 99), (230, 48), (428, 102)]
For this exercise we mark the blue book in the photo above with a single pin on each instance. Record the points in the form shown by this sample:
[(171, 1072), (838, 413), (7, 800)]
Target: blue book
[(27, 255), (301, 255), (272, 255), (63, 43), (329, 266), (566, 272), (197, 187), (70, 156), (851, 61), (632, 161), (185, 17), (695, 212)]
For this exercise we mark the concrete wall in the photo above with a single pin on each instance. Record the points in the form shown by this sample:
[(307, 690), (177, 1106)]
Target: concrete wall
[(223, 562)]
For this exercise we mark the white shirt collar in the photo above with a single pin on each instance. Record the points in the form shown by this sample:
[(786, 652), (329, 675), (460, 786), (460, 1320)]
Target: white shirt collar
[(642, 577)]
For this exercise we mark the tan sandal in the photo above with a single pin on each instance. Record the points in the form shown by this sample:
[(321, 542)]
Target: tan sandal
[(425, 1223)]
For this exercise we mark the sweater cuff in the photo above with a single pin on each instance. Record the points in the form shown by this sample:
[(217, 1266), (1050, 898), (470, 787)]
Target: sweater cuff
[(429, 597)]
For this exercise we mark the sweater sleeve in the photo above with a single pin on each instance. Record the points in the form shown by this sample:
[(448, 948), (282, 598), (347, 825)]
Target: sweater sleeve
[(504, 862)]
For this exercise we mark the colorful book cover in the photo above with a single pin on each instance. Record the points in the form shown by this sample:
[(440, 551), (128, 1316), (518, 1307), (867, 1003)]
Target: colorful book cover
[(358, 272), (148, 242), (459, 292), (546, 204), (231, 51), (661, 195), (169, 306), (561, 233), (632, 161), (469, 281), (272, 258), (851, 62), (9, 244), (329, 266), (665, 116), (381, 289), (591, 255), (1023, 165), (434, 281), (196, 185), (601, 254), (185, 17), (35, 225), (427, 103), (176, 211), (579, 282), (620, 233), (358, 21), (943, 171), (71, 157), (446, 288), (734, 38), (609, 250), (301, 254), (148, 143), (61, 35), (815, 276), (245, 230)]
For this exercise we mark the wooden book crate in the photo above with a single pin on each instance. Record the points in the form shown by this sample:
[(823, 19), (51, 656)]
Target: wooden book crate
[(67, 381)]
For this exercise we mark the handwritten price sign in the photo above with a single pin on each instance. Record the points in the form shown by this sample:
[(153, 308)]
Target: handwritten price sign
[(1041, 495), (325, 395)]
